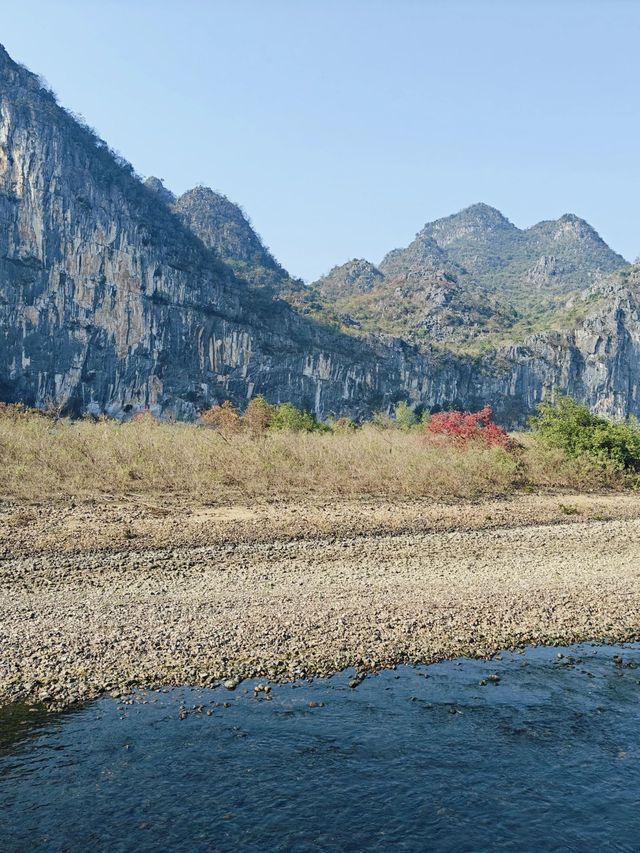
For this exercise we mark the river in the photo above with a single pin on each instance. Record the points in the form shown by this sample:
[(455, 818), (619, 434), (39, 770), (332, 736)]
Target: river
[(531, 751)]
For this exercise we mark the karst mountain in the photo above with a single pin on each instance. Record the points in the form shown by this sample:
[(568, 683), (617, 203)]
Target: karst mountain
[(117, 296)]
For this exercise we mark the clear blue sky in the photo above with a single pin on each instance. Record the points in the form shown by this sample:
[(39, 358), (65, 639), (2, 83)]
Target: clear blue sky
[(342, 126)]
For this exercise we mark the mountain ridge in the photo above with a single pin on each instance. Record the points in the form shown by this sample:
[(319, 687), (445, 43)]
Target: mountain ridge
[(112, 302), (478, 266)]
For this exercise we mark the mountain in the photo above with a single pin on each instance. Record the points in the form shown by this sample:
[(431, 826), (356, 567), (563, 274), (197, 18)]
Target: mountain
[(115, 296), (110, 303), (504, 258), (225, 228), (475, 279), (423, 298), (355, 278)]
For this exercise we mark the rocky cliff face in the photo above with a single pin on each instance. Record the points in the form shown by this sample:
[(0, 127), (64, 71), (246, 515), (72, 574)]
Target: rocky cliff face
[(109, 303), (115, 297), (598, 362)]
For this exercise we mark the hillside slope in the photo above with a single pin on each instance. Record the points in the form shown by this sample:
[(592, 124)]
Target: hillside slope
[(114, 297), (474, 280), (109, 303)]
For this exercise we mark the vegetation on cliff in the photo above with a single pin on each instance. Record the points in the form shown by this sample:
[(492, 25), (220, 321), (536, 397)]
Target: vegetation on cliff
[(473, 281)]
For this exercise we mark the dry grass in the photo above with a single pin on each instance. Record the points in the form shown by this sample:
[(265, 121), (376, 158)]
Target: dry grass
[(41, 459)]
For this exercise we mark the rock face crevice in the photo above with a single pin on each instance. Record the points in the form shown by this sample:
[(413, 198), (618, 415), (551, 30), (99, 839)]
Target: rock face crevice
[(110, 303)]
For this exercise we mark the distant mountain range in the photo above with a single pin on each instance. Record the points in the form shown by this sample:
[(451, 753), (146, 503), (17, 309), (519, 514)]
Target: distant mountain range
[(469, 281), (473, 280), (116, 296)]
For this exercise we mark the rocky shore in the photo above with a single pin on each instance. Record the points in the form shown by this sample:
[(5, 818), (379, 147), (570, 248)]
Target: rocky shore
[(106, 597)]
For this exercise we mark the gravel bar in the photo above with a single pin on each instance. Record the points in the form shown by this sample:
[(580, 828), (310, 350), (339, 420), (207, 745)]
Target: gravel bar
[(90, 605)]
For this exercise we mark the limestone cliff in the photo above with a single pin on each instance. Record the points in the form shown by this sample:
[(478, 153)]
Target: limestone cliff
[(113, 298), (109, 303)]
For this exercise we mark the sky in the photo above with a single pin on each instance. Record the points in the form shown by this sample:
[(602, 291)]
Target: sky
[(342, 126)]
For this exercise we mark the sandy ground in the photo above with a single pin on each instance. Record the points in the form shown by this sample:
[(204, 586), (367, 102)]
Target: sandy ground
[(106, 597)]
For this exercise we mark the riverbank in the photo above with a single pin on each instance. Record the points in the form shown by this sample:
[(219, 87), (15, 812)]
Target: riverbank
[(103, 597), (43, 459)]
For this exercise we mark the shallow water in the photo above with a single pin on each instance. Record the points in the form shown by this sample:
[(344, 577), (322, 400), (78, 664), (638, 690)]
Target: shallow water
[(547, 759)]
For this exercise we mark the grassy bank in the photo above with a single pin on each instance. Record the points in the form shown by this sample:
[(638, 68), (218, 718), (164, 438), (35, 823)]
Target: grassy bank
[(43, 459)]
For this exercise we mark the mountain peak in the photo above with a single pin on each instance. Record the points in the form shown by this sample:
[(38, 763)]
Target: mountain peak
[(576, 235), (569, 222), (18, 76), (5, 59), (157, 186), (17, 72), (477, 224), (203, 192), (224, 227), (480, 214), (213, 211), (214, 203), (571, 217), (486, 211), (356, 276)]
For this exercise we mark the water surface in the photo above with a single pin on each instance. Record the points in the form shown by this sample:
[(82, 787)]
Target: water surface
[(546, 758)]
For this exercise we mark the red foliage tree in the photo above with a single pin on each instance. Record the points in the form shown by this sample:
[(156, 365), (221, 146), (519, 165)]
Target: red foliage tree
[(464, 427)]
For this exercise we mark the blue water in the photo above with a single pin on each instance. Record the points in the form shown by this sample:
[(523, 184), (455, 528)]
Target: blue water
[(546, 759)]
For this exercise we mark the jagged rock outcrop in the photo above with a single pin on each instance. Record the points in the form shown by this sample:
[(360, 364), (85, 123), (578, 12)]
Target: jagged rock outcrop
[(156, 185), (115, 297), (353, 278)]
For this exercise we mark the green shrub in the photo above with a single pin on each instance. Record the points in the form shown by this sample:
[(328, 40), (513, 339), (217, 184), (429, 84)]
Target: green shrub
[(405, 417), (287, 417), (571, 427), (381, 420)]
